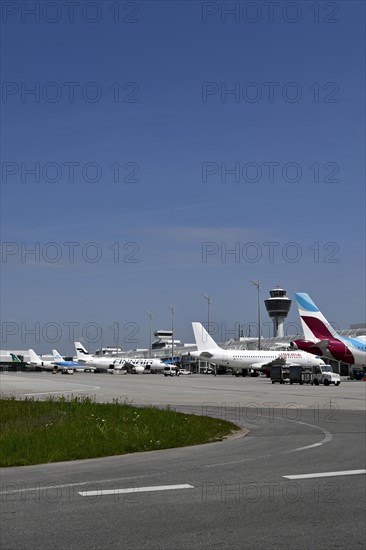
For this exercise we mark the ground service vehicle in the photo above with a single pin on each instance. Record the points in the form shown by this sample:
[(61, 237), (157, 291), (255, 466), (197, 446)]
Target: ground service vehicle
[(357, 372), (280, 374), (296, 375), (171, 371), (324, 374)]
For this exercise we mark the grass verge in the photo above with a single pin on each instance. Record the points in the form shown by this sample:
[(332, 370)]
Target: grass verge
[(59, 429)]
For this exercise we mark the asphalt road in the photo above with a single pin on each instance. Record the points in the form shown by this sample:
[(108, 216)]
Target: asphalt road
[(231, 494)]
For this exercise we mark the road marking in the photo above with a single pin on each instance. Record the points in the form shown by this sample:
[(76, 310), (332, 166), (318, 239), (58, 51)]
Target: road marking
[(74, 390), (327, 474), (328, 436), (135, 490)]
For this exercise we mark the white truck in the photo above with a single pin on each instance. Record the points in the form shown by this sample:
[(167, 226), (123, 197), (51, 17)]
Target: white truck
[(323, 374)]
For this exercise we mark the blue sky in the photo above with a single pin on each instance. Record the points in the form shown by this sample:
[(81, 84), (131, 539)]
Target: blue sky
[(153, 145)]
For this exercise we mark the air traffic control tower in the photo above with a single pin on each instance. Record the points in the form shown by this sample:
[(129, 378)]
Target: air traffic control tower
[(278, 306)]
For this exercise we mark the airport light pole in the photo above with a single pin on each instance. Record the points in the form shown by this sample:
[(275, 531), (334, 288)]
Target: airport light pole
[(149, 314), (117, 351), (258, 287), (172, 310), (208, 298)]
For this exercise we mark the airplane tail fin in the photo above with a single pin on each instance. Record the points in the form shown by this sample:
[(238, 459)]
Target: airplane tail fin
[(81, 352), (313, 322), (57, 356), (15, 358), (34, 358), (203, 340)]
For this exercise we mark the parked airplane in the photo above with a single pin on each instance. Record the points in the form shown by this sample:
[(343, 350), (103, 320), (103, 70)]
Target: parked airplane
[(320, 337), (239, 359), (139, 365), (60, 362), (86, 359), (134, 364), (36, 361)]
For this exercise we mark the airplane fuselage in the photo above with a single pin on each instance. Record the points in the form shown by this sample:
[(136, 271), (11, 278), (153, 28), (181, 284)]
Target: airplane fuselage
[(145, 364), (67, 364), (257, 359), (100, 364)]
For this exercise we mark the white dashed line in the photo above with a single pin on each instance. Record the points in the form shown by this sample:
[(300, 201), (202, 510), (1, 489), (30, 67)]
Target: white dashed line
[(327, 474), (135, 490)]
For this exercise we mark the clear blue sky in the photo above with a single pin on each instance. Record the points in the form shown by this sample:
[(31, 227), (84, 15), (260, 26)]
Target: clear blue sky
[(143, 97)]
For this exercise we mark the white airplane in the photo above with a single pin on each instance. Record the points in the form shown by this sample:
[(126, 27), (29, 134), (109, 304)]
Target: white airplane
[(139, 365), (86, 359), (134, 364), (239, 359), (36, 361)]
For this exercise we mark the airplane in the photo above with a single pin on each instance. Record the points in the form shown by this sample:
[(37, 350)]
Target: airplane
[(135, 364), (238, 359), (36, 361), (320, 337), (100, 363), (60, 362), (139, 365)]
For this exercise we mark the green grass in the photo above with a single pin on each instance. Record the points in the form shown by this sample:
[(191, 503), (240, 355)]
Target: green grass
[(37, 432)]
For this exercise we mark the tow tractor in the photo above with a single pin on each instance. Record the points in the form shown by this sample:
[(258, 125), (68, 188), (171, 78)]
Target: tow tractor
[(324, 374)]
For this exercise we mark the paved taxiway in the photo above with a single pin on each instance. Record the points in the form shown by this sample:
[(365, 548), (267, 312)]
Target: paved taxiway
[(239, 494)]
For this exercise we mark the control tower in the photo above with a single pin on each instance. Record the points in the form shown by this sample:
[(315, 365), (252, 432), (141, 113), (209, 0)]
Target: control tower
[(278, 306)]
